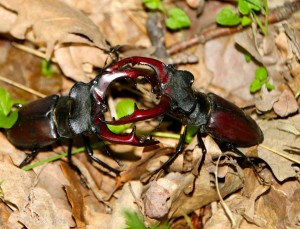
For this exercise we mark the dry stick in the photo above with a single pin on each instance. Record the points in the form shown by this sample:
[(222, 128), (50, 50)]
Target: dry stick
[(224, 205), (279, 153), (21, 86), (136, 21), (278, 14), (31, 51)]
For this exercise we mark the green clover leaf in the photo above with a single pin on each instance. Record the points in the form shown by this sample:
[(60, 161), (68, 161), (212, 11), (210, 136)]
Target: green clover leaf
[(177, 19)]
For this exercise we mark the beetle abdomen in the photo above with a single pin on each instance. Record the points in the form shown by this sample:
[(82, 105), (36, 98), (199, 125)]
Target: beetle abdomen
[(228, 123), (35, 127)]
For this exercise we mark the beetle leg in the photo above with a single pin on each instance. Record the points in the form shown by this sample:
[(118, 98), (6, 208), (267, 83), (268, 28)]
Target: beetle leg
[(90, 154), (178, 150), (202, 146), (70, 144), (29, 157), (110, 154), (238, 152)]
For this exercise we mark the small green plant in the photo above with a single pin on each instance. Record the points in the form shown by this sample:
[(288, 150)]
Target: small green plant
[(247, 12), (47, 69), (261, 78), (176, 18), (124, 108), (8, 117), (134, 221)]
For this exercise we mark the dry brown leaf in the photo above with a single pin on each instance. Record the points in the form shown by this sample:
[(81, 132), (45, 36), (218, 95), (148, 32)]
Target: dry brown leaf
[(4, 216), (229, 68), (139, 168), (286, 104), (126, 201), (51, 178), (6, 147), (280, 135), (280, 206), (38, 211), (77, 61), (51, 23), (155, 201), (237, 205), (54, 25), (266, 99), (203, 192), (74, 195), (249, 206), (16, 185)]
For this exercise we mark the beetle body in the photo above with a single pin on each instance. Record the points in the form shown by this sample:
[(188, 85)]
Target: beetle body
[(224, 121), (44, 121), (35, 127), (229, 123)]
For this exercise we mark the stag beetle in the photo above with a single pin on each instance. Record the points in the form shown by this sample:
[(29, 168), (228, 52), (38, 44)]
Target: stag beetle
[(42, 122), (221, 119)]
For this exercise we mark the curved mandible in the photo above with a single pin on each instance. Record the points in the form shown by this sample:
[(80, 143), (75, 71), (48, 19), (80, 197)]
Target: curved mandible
[(128, 139), (140, 115), (106, 78), (159, 67)]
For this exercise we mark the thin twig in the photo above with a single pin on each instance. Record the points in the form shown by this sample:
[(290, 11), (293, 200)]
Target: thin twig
[(280, 154), (276, 15), (136, 21), (224, 205), (32, 51), (21, 86)]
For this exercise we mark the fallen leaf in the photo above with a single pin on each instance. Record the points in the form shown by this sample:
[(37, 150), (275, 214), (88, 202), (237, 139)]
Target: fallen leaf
[(280, 135), (286, 104), (229, 68), (126, 202), (73, 59), (38, 211), (203, 192), (51, 178), (5, 213), (266, 99), (15, 185), (52, 23), (74, 195), (155, 201)]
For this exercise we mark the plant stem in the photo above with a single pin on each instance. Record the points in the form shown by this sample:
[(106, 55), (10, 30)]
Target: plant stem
[(260, 25)]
